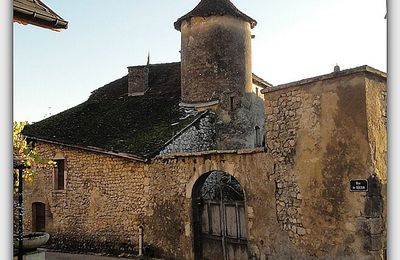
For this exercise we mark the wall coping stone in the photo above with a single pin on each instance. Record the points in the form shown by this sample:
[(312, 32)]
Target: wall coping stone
[(364, 68), (191, 154)]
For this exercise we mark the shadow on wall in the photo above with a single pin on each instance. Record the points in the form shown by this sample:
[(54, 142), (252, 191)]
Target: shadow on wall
[(240, 122), (374, 225)]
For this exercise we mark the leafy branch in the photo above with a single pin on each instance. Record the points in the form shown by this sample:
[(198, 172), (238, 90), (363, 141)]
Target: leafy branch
[(25, 154)]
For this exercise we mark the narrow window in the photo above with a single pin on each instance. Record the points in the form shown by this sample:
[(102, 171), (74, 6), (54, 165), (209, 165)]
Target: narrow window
[(231, 102), (257, 91), (38, 217), (257, 141), (59, 175)]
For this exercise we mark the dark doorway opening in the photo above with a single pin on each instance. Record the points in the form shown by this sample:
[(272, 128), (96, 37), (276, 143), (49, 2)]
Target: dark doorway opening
[(219, 220), (38, 217)]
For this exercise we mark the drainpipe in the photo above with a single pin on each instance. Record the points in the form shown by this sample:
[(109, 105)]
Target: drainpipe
[(140, 240)]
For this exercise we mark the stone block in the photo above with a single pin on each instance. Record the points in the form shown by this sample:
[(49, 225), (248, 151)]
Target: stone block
[(301, 231)]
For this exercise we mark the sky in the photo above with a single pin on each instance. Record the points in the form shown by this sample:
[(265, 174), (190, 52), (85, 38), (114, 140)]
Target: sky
[(54, 71)]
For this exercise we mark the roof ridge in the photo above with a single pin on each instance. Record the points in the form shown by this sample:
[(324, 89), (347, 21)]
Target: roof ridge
[(155, 64)]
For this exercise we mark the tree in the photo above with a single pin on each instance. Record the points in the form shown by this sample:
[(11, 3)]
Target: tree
[(24, 153)]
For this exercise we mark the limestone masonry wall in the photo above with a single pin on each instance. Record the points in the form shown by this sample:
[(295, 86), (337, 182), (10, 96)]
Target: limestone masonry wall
[(100, 194), (198, 137), (319, 136), (214, 67), (375, 223)]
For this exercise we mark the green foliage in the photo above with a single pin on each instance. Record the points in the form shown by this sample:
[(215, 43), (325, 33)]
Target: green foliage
[(24, 153)]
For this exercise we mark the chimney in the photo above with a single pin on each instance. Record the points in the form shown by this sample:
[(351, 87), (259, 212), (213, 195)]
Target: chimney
[(336, 68), (138, 80)]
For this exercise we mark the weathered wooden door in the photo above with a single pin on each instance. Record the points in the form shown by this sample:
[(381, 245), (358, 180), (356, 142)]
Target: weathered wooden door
[(221, 222), (38, 217)]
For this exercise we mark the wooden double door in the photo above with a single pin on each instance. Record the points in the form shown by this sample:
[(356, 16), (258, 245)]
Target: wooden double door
[(220, 222)]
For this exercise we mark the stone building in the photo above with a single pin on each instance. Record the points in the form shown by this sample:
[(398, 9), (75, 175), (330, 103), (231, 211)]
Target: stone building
[(213, 161), (36, 13)]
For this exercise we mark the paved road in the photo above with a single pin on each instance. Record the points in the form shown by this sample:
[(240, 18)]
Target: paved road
[(64, 256)]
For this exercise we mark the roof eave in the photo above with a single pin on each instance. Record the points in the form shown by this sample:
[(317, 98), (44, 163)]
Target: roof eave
[(178, 23), (261, 82), (91, 149), (25, 16)]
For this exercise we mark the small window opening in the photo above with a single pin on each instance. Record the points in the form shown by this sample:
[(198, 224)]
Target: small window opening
[(257, 91), (257, 141), (59, 175), (232, 103), (38, 217)]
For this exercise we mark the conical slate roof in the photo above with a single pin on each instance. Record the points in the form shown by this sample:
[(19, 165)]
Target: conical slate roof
[(208, 8)]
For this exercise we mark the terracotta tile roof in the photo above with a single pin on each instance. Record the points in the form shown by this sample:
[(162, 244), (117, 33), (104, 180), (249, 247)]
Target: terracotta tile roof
[(35, 12), (215, 7)]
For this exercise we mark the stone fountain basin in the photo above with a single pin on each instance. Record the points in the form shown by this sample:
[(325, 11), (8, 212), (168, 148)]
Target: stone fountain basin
[(32, 240)]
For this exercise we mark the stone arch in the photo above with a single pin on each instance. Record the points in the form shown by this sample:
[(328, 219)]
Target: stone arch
[(218, 217), (206, 167), (196, 187)]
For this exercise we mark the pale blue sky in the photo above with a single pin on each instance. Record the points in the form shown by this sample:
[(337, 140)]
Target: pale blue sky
[(54, 71)]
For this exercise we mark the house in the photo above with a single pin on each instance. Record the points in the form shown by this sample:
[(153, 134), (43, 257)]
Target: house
[(35, 12), (210, 161)]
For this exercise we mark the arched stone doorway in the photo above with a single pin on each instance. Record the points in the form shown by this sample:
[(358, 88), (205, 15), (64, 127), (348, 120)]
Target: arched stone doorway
[(38, 217), (219, 220)]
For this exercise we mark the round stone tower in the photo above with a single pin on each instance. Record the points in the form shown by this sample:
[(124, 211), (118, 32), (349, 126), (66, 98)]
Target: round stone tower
[(215, 55)]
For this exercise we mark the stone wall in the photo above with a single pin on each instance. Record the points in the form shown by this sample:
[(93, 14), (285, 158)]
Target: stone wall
[(218, 69), (222, 129), (375, 223), (96, 206), (107, 198), (235, 129), (138, 80), (200, 136), (319, 133), (215, 67), (284, 111)]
